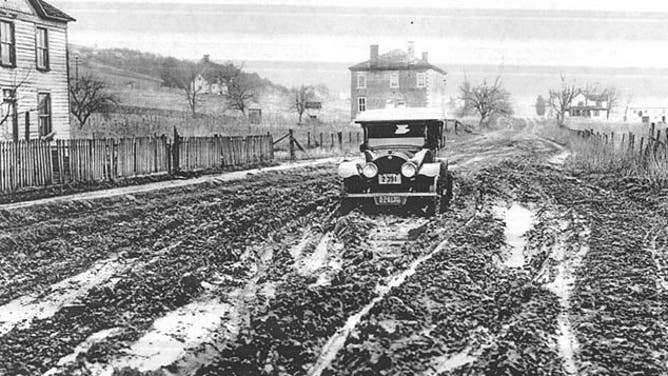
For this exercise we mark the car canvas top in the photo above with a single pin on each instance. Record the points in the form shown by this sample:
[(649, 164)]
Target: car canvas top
[(400, 114)]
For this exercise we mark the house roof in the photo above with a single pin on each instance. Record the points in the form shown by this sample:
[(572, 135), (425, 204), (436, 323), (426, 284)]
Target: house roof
[(395, 60), (49, 12)]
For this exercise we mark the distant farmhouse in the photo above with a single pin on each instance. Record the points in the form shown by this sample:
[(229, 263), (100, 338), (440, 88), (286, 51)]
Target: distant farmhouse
[(589, 106), (396, 79), (33, 70)]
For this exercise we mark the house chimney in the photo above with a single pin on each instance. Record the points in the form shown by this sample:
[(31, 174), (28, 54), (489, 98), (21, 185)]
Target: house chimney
[(205, 59), (411, 48), (374, 52), (425, 56)]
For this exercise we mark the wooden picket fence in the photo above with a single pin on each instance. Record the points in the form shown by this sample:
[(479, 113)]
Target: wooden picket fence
[(29, 164)]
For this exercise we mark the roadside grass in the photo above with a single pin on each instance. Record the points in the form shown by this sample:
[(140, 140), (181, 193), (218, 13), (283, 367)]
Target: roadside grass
[(592, 155)]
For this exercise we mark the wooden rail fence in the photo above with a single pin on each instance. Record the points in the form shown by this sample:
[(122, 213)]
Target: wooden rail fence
[(27, 164), (654, 143)]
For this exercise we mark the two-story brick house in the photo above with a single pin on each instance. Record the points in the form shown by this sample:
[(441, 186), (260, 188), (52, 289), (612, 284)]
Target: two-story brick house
[(396, 79), (33, 71)]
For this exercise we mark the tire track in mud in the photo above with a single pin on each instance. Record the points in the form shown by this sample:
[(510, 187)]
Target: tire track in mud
[(189, 337), (376, 250), (154, 304)]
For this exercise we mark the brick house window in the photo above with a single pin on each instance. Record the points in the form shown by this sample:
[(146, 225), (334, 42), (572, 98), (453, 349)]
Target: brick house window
[(361, 80), (7, 44), (394, 79), (421, 79), (42, 49), (44, 112), (361, 104)]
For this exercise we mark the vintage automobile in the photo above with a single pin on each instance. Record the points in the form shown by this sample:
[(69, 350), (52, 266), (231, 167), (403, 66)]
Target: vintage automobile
[(400, 166)]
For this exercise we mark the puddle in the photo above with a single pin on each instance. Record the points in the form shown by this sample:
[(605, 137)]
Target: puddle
[(82, 348), (561, 286), (20, 312), (559, 159), (519, 220), (449, 362), (317, 259), (170, 337), (297, 250)]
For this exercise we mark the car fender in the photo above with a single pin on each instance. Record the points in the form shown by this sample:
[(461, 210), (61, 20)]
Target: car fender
[(348, 169), (430, 169)]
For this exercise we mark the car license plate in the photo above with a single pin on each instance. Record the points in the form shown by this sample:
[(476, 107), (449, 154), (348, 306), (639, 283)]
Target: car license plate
[(389, 179), (389, 200)]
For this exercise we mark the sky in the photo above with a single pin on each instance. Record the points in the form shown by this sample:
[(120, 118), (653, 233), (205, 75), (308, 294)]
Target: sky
[(295, 42), (565, 32)]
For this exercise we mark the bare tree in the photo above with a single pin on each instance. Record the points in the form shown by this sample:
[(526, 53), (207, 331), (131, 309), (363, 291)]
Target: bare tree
[(300, 96), (89, 95), (241, 90), (612, 100), (183, 75), (487, 100), (561, 99), (10, 95)]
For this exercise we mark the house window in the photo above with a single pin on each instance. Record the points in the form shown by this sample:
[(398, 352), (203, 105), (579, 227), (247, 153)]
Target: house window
[(596, 113), (361, 80), (361, 104), (7, 46), (394, 79), (42, 49), (44, 112), (421, 79), (9, 111)]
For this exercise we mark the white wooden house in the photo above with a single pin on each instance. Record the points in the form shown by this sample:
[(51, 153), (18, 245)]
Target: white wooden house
[(589, 106), (33, 71)]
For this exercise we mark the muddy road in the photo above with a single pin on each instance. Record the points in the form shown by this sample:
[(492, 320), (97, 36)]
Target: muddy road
[(533, 270)]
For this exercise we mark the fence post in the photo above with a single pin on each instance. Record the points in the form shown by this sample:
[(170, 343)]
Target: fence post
[(176, 145), (340, 137), (292, 145), (322, 144), (332, 144), (308, 140)]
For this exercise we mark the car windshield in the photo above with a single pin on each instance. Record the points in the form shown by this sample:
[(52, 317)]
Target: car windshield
[(385, 134)]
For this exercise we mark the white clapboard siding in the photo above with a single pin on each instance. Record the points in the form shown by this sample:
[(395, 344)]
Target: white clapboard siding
[(53, 81)]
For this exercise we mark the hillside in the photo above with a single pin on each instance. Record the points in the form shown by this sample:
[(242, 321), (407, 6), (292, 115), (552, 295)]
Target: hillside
[(138, 79)]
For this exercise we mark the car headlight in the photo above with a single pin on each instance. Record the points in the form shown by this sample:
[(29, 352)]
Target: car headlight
[(408, 169), (370, 170)]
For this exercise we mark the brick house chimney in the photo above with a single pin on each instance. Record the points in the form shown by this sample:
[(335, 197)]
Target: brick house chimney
[(425, 56), (206, 59), (373, 53), (411, 48)]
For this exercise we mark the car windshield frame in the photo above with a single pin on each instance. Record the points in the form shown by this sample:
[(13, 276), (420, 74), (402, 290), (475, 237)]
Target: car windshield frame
[(414, 134)]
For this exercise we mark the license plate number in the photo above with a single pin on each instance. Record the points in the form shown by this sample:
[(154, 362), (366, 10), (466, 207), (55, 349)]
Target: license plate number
[(388, 200), (389, 179)]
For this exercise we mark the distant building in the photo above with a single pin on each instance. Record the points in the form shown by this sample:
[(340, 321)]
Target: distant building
[(396, 79), (33, 70), (589, 106), (644, 114), (203, 86)]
